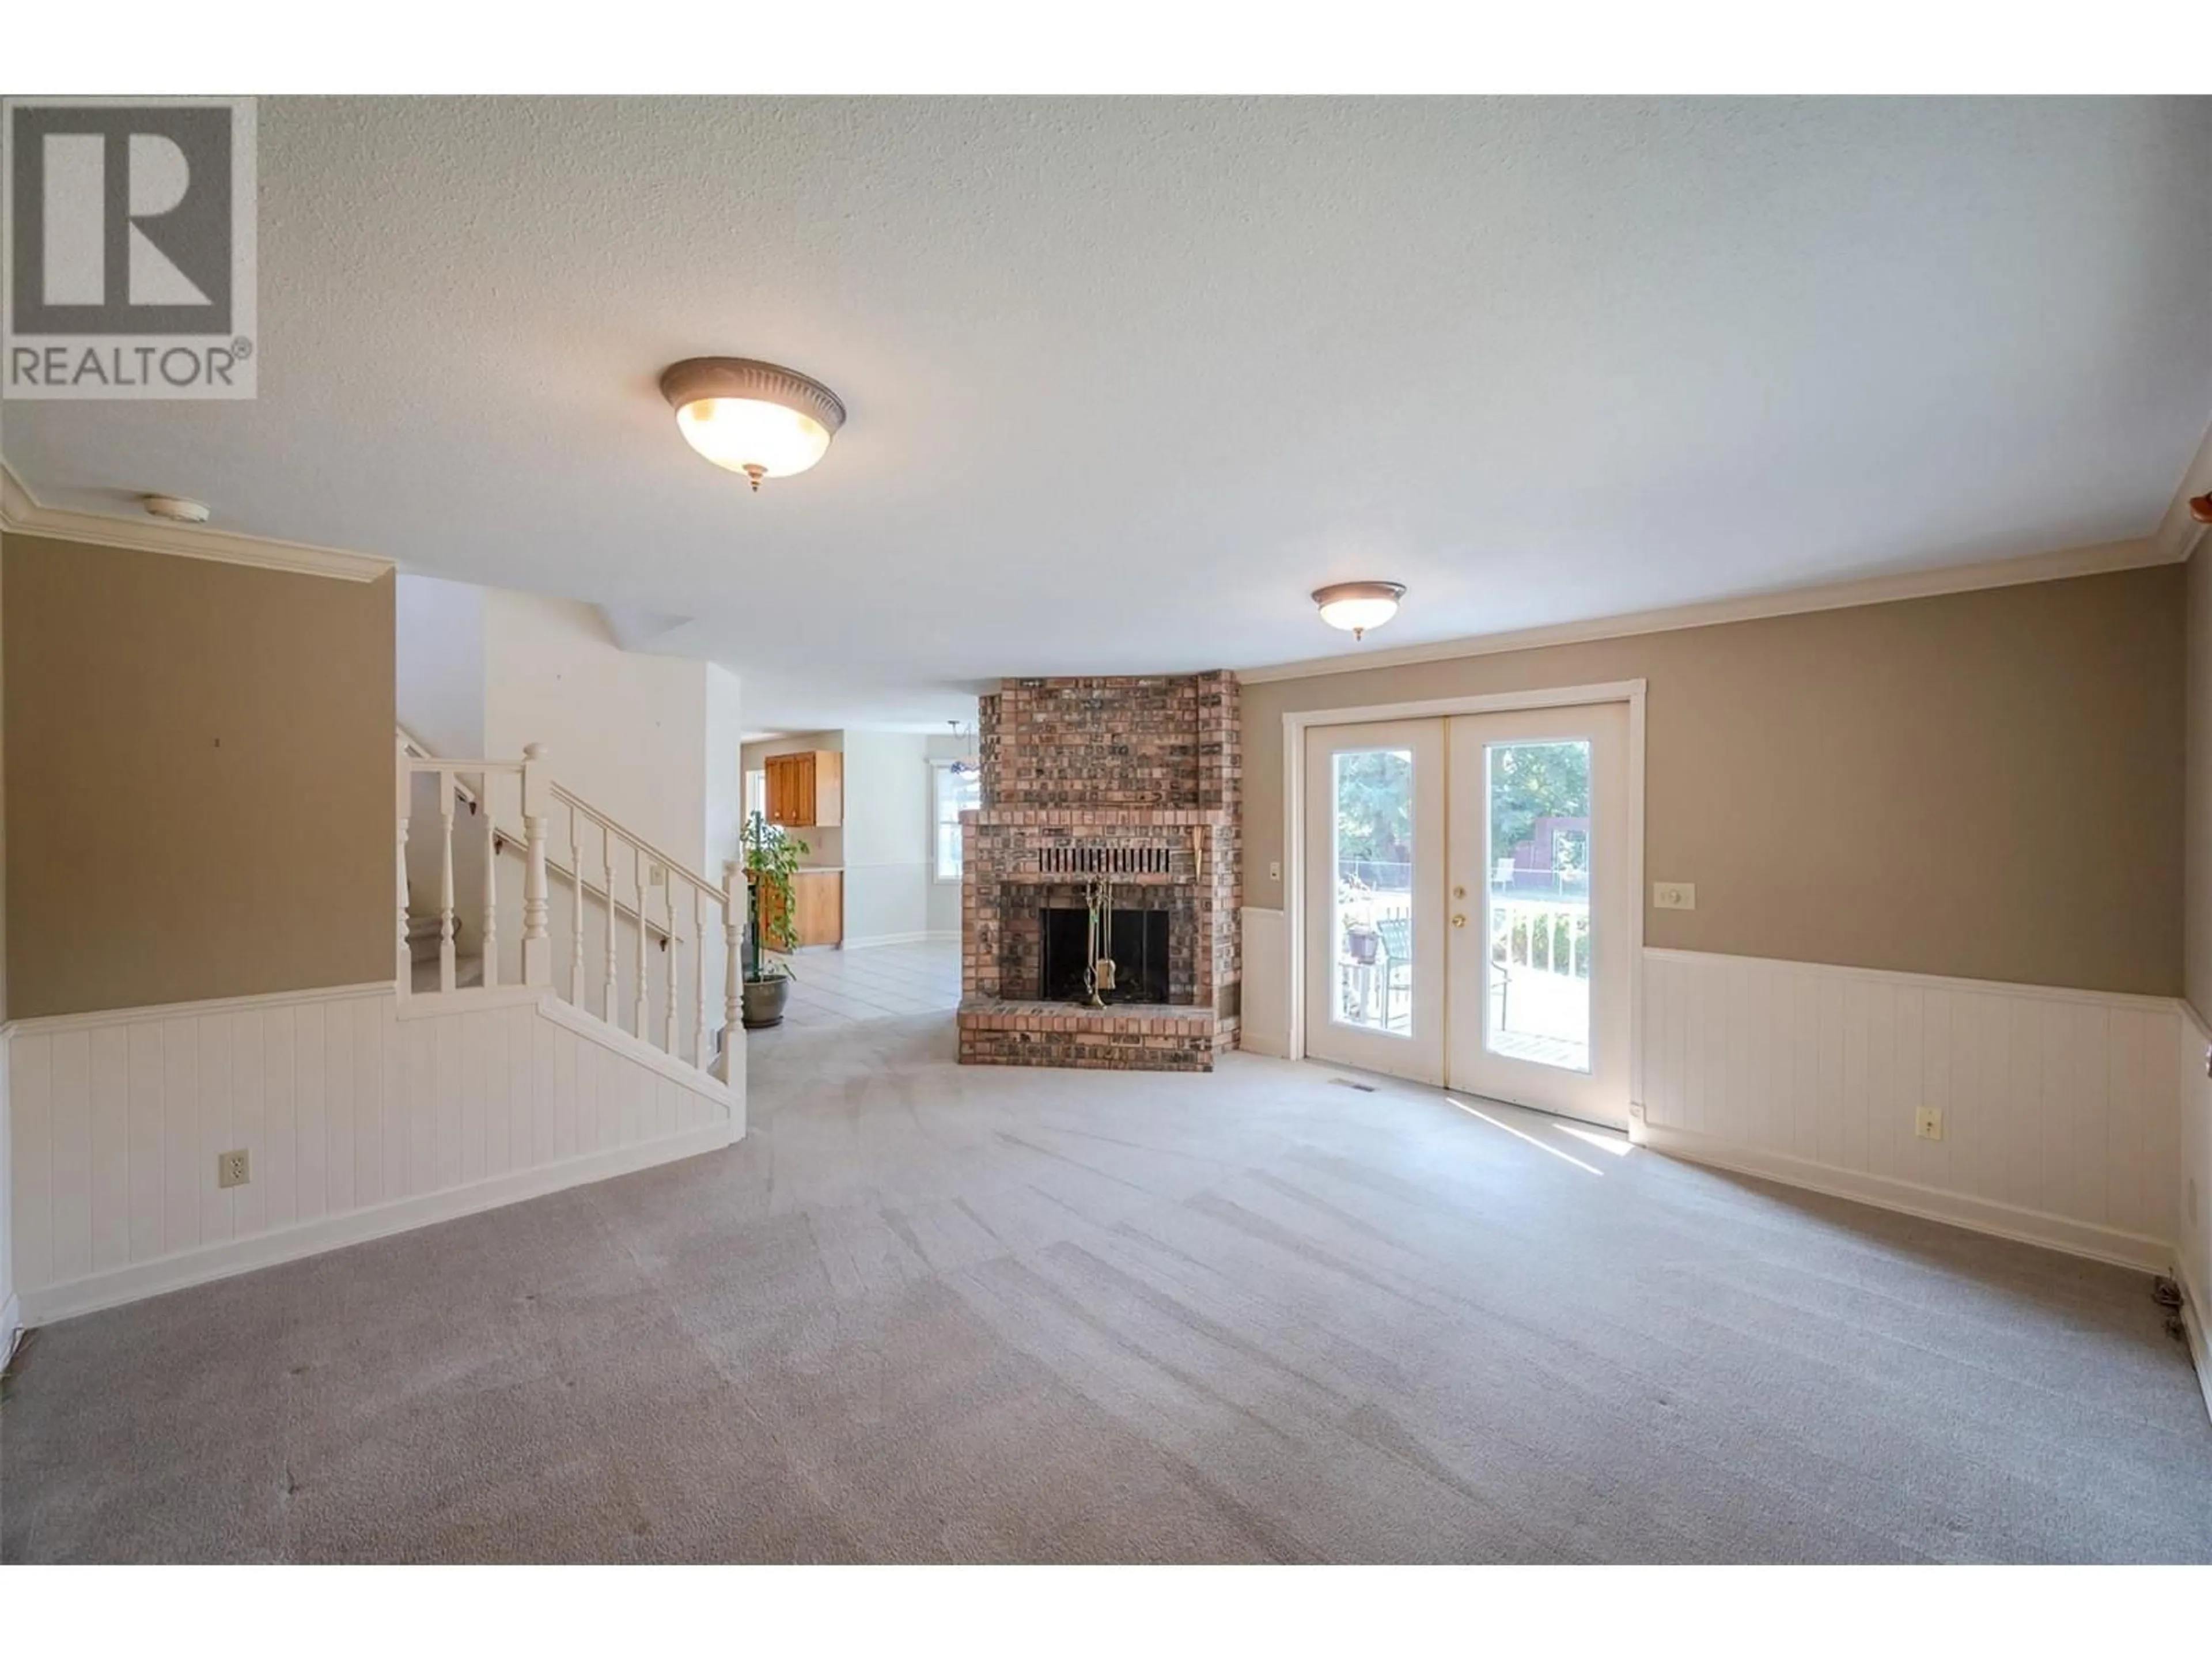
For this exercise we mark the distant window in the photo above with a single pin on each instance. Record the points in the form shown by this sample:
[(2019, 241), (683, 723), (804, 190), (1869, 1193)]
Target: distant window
[(756, 793), (952, 793)]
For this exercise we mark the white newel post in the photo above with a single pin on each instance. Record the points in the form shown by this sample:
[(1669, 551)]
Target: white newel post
[(537, 917), (733, 986), (406, 966)]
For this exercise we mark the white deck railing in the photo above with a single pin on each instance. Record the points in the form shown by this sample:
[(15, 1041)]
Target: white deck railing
[(629, 885), (1550, 936)]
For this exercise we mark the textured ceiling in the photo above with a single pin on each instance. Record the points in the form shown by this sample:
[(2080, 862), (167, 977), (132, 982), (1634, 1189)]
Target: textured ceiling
[(1127, 378)]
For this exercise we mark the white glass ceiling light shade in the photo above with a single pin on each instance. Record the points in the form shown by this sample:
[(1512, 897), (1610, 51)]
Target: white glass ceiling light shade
[(756, 418), (1358, 606)]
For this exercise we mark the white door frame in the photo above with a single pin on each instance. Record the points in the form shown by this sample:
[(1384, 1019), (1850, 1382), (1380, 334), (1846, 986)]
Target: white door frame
[(1295, 724)]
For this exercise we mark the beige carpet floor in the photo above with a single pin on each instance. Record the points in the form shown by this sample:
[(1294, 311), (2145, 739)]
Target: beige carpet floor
[(928, 1313)]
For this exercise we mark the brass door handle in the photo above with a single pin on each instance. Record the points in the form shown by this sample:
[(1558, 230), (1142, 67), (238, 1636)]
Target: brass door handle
[(1459, 921)]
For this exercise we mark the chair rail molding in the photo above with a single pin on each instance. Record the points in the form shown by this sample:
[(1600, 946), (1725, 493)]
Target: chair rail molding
[(21, 513)]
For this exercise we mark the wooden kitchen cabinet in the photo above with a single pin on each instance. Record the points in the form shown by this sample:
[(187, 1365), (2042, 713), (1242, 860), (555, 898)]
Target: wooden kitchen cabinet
[(806, 790), (817, 898)]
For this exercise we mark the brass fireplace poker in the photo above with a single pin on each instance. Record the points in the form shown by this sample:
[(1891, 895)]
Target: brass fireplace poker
[(1098, 976)]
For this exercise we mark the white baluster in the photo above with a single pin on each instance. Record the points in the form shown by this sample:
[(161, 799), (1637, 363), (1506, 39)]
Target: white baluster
[(576, 918), (733, 927), (607, 858), (445, 918), (406, 976), (637, 880), (491, 880), (668, 1022), (699, 939), (536, 898)]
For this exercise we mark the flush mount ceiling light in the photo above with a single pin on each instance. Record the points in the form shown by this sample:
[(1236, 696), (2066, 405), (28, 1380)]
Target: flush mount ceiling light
[(1358, 606), (752, 417), (175, 508)]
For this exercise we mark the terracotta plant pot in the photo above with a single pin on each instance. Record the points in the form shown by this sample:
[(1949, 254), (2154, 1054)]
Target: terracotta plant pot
[(764, 1000)]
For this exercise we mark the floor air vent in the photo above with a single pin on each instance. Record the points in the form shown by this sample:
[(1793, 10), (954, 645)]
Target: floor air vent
[(1346, 1082)]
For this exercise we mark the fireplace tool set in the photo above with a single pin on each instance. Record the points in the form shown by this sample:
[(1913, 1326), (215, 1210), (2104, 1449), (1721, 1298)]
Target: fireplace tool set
[(1098, 976)]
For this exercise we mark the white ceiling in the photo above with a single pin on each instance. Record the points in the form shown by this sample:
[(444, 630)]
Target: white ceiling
[(1126, 379)]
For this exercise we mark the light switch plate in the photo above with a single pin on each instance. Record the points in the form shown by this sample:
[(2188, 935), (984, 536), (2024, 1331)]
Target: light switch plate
[(1674, 895), (1274, 870)]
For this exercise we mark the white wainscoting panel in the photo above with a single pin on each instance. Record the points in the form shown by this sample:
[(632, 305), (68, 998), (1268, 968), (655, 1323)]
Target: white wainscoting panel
[(1265, 993), (356, 1122), (10, 1309), (2061, 1108), (2193, 1232)]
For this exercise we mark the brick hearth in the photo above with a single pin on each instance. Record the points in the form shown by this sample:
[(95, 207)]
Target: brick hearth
[(1137, 778)]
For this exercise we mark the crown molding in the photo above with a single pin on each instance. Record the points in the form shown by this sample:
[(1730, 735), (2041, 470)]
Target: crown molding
[(21, 513), (2052, 567)]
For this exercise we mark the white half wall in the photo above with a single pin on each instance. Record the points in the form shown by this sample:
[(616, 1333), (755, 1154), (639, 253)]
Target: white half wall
[(2061, 1115), (358, 1121)]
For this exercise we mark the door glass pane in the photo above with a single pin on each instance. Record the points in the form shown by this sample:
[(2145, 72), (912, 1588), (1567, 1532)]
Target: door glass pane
[(1373, 928), (1537, 1003)]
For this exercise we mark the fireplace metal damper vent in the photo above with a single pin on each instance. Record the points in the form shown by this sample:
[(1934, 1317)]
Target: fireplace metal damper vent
[(1139, 951)]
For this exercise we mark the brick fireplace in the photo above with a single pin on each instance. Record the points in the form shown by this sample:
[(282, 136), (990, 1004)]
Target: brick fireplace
[(1132, 781)]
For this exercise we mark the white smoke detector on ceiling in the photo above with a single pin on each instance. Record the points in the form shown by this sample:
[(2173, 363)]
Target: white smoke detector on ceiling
[(175, 508)]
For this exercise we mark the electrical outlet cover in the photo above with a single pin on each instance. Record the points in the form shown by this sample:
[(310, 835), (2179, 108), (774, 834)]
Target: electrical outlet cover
[(232, 1169), (1928, 1124)]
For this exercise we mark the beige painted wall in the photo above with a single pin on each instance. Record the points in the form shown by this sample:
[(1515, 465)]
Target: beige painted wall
[(199, 799), (1986, 785)]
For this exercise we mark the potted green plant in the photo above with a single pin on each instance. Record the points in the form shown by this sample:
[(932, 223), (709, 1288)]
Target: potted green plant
[(771, 855)]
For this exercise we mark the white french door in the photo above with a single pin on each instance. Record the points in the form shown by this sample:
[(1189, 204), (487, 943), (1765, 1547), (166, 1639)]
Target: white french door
[(1470, 894), (1375, 885), (1542, 892)]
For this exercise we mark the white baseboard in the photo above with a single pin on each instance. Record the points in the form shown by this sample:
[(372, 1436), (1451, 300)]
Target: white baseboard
[(117, 1285), (1977, 1215), (873, 939)]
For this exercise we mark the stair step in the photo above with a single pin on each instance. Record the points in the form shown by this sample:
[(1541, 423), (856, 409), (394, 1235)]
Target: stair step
[(468, 972)]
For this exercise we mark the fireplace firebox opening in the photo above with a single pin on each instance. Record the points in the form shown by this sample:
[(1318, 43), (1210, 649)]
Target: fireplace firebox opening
[(1140, 950)]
